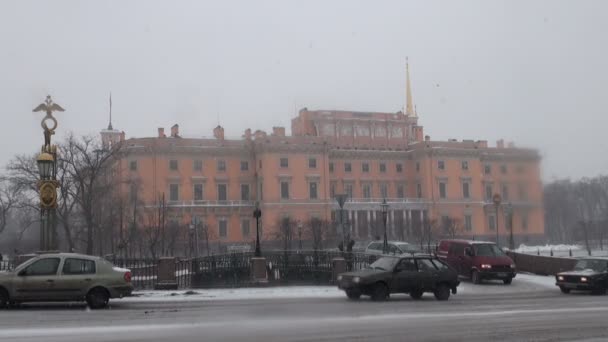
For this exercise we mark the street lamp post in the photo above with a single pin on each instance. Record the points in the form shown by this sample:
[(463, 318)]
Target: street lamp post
[(384, 207), (47, 168), (497, 200), (341, 198), (257, 213)]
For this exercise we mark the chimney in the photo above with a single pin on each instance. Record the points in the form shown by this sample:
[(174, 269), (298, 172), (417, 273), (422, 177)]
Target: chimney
[(175, 131), (500, 143), (278, 131), (259, 134), (427, 138), (122, 136), (218, 132), (161, 132), (482, 143)]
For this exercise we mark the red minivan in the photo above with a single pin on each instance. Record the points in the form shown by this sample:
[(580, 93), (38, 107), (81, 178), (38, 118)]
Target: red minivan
[(477, 260)]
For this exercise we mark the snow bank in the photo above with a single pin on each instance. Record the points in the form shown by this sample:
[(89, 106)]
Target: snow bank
[(546, 248)]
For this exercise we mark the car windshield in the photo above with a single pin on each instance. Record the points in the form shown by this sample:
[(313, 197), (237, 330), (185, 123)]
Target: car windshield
[(487, 250), (384, 264), (592, 265)]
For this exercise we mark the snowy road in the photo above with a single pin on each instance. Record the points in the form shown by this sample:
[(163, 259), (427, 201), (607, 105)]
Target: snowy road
[(531, 309)]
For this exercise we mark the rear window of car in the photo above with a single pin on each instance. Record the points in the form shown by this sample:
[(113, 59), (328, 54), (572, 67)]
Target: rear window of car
[(375, 245), (426, 265), (439, 264), (73, 266)]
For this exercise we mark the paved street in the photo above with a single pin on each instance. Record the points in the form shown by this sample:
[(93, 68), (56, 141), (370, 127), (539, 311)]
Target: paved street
[(525, 311)]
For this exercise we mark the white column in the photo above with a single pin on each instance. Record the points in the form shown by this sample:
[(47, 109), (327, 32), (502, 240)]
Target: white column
[(355, 225), (374, 224), (369, 226), (393, 223)]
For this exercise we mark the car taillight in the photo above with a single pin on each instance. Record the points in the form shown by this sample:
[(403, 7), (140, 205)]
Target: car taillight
[(128, 277)]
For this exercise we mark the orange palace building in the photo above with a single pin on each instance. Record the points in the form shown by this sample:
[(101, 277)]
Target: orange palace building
[(367, 155)]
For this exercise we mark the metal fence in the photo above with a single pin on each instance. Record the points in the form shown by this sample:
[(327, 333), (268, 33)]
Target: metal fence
[(144, 272), (7, 265)]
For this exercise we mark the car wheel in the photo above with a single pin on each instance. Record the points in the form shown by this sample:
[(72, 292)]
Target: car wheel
[(442, 292), (353, 295), (380, 292), (98, 298), (3, 299), (564, 289), (475, 278), (416, 294), (507, 281)]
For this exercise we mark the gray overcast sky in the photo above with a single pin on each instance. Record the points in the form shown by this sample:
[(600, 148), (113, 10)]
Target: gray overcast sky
[(529, 71)]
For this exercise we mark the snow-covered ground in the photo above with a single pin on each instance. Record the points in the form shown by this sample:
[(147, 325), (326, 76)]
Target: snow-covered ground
[(560, 250), (523, 282)]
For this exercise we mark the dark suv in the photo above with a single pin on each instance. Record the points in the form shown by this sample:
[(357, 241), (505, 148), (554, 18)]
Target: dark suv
[(413, 274)]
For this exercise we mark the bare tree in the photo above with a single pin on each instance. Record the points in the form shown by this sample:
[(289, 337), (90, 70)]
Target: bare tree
[(8, 201), (285, 233), (452, 226)]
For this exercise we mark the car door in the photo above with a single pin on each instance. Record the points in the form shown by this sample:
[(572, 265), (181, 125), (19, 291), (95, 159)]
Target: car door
[(427, 273), (406, 276), (37, 280), (75, 278)]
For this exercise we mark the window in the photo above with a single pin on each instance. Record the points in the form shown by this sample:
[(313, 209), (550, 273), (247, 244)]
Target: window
[(284, 190), (221, 165), (383, 190), (524, 222), (491, 222), (399, 167), (489, 192), (312, 191), (442, 190), (365, 167), (331, 167), (400, 191), (419, 190), (221, 192), (173, 165), (133, 165), (244, 165), (42, 267), (78, 266), (523, 194), (173, 192), (426, 265), (503, 169), (505, 192), (367, 191), (245, 192), (284, 162), (441, 165), (464, 165), (466, 191), (348, 188), (417, 166), (348, 167), (440, 265), (407, 265), (312, 163), (245, 229), (468, 223), (197, 165), (382, 167), (198, 192), (332, 189), (487, 169), (445, 223), (223, 228)]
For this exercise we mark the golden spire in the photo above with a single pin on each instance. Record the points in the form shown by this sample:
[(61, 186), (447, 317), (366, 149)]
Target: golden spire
[(409, 105)]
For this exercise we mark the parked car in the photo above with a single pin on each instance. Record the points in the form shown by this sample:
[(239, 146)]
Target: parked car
[(414, 274), (589, 274), (394, 248), (65, 277), (477, 260)]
